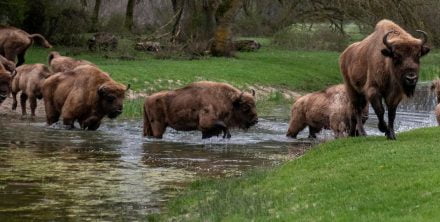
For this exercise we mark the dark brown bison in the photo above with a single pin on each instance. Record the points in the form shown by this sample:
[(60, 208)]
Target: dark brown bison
[(14, 42), (29, 80), (59, 63), (5, 83), (383, 66), (328, 109), (206, 106), (435, 87), (85, 94), (9, 65)]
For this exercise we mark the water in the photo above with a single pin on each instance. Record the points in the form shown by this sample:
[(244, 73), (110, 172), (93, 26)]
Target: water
[(115, 174)]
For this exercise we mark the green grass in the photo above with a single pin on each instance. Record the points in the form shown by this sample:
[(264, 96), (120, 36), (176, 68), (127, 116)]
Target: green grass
[(356, 179)]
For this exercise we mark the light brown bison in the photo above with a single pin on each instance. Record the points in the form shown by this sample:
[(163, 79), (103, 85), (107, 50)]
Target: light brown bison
[(85, 94), (210, 107), (59, 63), (5, 83), (435, 87), (14, 42), (328, 109), (29, 80), (383, 66), (9, 65)]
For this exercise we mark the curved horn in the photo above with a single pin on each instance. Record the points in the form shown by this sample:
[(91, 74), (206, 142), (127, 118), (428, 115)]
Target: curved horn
[(424, 36), (385, 39), (128, 87)]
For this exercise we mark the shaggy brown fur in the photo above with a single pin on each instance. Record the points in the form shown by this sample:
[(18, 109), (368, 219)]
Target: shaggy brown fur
[(383, 66), (59, 63), (210, 107), (9, 65), (5, 83), (14, 42), (29, 80), (328, 109), (85, 94), (435, 87)]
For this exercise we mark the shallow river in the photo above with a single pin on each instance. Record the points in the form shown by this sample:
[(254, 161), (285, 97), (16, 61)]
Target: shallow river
[(115, 174)]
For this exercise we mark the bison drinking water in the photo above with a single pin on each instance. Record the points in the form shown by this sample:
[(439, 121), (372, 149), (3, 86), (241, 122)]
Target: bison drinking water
[(59, 63), (5, 83), (383, 66), (14, 42), (29, 80), (210, 107), (328, 109), (85, 94)]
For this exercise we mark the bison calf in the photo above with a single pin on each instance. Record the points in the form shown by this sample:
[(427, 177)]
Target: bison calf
[(210, 107), (29, 80), (85, 94), (59, 63), (5, 83), (328, 109), (435, 87)]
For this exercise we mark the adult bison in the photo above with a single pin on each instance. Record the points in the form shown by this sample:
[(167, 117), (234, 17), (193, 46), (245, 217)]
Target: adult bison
[(5, 83), (14, 42), (85, 94), (328, 109), (210, 107), (59, 63), (383, 66), (29, 80), (435, 87)]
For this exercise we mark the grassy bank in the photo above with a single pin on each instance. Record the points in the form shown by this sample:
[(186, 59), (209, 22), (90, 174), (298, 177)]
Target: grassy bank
[(360, 179)]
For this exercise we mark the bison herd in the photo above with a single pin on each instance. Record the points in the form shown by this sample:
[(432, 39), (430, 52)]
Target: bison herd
[(382, 68)]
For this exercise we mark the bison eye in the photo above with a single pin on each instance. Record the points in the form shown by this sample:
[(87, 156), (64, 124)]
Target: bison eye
[(246, 108), (110, 98)]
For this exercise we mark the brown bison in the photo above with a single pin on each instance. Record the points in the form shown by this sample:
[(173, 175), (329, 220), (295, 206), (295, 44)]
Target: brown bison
[(206, 106), (85, 94), (5, 83), (383, 66), (29, 80), (328, 109), (59, 63), (9, 65), (435, 87), (14, 42)]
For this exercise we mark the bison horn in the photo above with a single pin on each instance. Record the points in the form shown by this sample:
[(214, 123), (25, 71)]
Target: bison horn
[(385, 39), (128, 87), (424, 36)]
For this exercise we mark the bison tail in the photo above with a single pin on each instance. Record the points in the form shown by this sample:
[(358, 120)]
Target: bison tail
[(41, 40)]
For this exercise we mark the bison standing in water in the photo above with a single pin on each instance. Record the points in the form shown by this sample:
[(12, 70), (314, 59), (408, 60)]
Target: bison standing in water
[(5, 83), (328, 109), (59, 63), (85, 94), (383, 66), (14, 42), (29, 80), (210, 107)]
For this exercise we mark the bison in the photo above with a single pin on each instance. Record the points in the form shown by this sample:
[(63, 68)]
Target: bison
[(59, 63), (328, 109), (29, 80), (435, 87), (5, 83), (383, 66), (85, 94), (9, 65), (210, 107), (14, 42)]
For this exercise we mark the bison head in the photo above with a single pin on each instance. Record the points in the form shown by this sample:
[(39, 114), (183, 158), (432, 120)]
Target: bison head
[(5, 84), (405, 57), (245, 112), (111, 98)]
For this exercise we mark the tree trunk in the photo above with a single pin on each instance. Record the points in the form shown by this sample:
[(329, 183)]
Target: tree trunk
[(95, 18), (222, 44), (129, 15)]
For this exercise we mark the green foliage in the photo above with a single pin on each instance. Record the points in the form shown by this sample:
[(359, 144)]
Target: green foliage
[(356, 179), (68, 26)]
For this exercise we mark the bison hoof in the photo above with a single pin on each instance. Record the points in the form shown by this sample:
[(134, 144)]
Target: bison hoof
[(227, 135), (391, 135), (382, 127)]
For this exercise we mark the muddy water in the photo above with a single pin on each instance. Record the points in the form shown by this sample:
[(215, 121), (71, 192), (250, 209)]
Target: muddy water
[(114, 174)]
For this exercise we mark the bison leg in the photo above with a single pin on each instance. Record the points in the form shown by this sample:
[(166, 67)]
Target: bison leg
[(313, 131), (92, 123), (215, 130), (68, 123), (23, 98), (20, 58), (295, 127), (52, 115), (33, 104), (391, 117), (376, 103), (14, 101)]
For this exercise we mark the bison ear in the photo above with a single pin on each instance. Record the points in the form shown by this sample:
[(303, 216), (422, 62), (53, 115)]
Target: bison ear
[(387, 52), (425, 50), (253, 93), (101, 91)]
